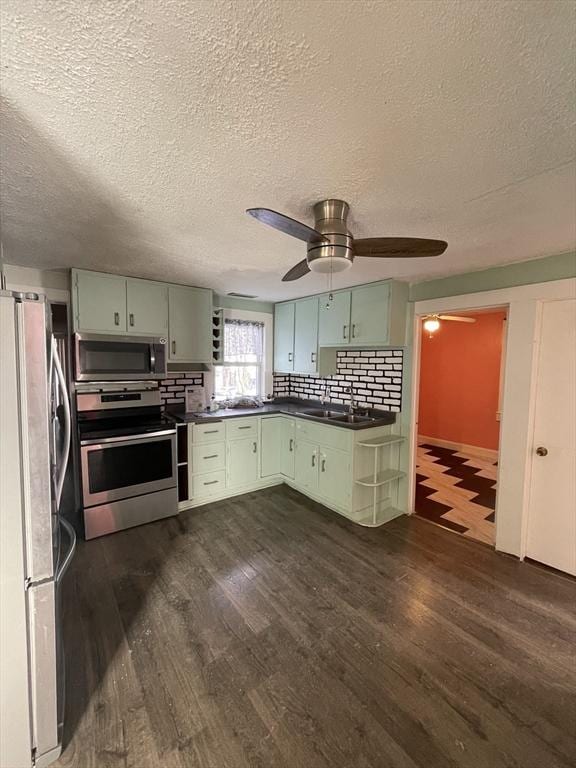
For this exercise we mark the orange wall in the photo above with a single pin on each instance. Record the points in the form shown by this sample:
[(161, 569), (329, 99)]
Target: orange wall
[(460, 381)]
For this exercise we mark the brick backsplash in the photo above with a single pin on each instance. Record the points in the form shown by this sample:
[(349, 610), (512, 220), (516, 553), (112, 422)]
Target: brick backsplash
[(376, 377), (172, 390)]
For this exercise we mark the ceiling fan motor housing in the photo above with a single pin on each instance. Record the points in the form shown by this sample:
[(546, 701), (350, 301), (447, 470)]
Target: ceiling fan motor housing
[(336, 255)]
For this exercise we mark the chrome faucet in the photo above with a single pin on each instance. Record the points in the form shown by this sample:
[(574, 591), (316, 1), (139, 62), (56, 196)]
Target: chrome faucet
[(352, 405)]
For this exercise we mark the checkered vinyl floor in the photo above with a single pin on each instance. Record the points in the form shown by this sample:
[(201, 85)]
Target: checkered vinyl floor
[(456, 490)]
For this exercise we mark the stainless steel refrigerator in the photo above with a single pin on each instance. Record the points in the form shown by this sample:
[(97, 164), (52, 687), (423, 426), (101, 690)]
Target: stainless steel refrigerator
[(36, 543)]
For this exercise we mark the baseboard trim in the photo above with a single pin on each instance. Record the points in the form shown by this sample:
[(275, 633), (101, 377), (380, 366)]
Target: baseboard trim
[(475, 450)]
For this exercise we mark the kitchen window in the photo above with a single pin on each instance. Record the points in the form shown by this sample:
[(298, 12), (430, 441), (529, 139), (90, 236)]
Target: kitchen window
[(241, 372)]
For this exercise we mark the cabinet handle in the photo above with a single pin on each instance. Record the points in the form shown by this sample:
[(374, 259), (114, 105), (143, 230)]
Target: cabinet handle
[(116, 318), (173, 347), (344, 332), (247, 426), (254, 447), (323, 465), (211, 432), (132, 319), (353, 330), (213, 456), (313, 357), (313, 459), (291, 445), (289, 357), (211, 482)]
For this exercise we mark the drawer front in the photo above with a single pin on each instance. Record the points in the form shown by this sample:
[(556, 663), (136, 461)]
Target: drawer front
[(209, 433), (208, 457), (239, 428), (212, 484), (332, 437)]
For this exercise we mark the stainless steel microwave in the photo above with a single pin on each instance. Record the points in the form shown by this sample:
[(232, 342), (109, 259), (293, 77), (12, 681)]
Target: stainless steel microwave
[(119, 358)]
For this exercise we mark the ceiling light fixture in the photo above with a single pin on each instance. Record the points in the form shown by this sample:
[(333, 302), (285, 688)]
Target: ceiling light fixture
[(431, 324)]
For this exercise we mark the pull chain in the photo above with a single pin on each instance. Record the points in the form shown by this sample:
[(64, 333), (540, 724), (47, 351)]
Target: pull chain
[(330, 294)]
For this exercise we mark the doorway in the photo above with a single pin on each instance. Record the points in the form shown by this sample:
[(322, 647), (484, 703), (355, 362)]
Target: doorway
[(459, 409)]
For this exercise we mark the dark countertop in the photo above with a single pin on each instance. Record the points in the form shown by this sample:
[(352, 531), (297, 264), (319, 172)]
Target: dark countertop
[(286, 406)]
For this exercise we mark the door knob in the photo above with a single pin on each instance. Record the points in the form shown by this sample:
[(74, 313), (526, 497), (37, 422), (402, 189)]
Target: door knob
[(541, 451)]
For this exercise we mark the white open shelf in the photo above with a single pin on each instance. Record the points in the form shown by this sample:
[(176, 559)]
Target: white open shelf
[(381, 478), (382, 441), (378, 454)]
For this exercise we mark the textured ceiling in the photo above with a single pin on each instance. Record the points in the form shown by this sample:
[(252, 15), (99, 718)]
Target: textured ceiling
[(136, 132)]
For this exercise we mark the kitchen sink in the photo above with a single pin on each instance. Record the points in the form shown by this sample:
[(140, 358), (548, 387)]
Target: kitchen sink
[(321, 413), (347, 418), (351, 418)]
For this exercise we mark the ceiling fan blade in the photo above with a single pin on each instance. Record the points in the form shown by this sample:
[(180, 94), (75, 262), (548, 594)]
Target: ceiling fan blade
[(296, 272), (457, 318), (398, 247), (287, 225)]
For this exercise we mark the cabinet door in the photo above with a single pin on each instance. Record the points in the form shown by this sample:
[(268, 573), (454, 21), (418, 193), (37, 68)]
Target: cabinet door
[(288, 448), (334, 320), (271, 442), (334, 476), (242, 462), (284, 337), (306, 465), (370, 314), (100, 302), (147, 307), (306, 336), (190, 324)]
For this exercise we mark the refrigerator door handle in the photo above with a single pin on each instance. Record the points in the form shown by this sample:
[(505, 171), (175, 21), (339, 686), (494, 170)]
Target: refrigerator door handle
[(61, 473), (63, 567)]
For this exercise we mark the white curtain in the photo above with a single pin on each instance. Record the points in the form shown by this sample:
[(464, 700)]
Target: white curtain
[(243, 341)]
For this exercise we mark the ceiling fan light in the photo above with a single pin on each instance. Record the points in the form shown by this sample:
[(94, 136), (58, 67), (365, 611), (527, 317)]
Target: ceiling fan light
[(431, 324), (328, 264)]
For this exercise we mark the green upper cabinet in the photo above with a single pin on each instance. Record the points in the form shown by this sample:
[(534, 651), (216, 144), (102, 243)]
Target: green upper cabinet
[(284, 315), (334, 319), (190, 324), (99, 302), (306, 336), (147, 304), (372, 315), (370, 310)]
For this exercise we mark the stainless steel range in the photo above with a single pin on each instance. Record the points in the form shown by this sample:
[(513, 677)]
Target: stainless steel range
[(128, 456)]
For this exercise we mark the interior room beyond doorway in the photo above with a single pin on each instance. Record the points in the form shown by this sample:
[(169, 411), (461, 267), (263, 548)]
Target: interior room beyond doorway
[(460, 392)]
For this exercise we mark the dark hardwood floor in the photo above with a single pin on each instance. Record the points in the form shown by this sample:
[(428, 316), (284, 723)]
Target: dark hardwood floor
[(267, 632)]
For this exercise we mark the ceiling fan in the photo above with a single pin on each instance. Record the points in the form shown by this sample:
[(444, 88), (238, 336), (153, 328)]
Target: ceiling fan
[(331, 246), (432, 322)]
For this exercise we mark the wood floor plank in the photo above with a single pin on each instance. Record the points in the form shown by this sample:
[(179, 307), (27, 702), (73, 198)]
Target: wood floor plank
[(267, 632)]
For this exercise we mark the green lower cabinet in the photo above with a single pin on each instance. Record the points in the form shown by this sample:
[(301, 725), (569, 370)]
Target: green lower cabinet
[(288, 448), (271, 433), (242, 462), (335, 477), (306, 465)]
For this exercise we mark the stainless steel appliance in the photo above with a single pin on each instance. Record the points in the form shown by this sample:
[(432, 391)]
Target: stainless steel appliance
[(119, 358), (36, 543), (127, 455)]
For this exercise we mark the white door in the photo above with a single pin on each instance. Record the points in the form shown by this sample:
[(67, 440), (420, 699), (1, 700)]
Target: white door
[(552, 507)]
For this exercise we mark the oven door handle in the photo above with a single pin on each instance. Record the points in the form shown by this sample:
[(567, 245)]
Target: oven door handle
[(127, 438)]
